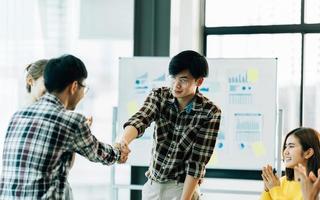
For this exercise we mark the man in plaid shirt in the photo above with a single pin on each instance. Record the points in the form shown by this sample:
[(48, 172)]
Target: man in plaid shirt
[(187, 125), (42, 138)]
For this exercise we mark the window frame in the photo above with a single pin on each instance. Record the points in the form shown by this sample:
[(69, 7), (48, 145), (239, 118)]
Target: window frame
[(302, 28)]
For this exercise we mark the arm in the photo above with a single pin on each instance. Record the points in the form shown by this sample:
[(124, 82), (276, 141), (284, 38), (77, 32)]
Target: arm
[(88, 146), (269, 182), (189, 187), (201, 153), (137, 124), (272, 183), (129, 134)]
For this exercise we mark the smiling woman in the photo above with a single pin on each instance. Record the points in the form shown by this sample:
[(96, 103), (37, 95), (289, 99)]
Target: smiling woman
[(301, 146)]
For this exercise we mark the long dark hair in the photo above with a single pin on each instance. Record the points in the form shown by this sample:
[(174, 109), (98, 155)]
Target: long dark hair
[(308, 138)]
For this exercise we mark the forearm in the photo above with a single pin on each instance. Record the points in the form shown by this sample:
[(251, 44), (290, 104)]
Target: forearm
[(189, 187), (130, 133)]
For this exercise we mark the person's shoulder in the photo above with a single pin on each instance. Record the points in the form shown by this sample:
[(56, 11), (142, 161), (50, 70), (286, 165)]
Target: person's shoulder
[(25, 110), (162, 91), (208, 105), (74, 116)]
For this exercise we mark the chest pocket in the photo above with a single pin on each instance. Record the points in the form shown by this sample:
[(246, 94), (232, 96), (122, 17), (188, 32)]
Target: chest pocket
[(186, 138)]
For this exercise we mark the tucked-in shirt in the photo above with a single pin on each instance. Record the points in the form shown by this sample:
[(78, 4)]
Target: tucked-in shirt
[(183, 141), (288, 190), (38, 149)]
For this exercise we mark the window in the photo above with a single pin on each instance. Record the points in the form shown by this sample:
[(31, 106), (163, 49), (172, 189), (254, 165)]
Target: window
[(273, 28), (312, 11), (252, 12), (32, 30), (311, 94)]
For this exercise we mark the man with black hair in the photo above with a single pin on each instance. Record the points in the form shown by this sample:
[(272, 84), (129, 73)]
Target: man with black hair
[(42, 137), (187, 125)]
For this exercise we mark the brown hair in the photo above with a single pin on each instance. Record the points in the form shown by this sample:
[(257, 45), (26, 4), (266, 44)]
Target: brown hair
[(35, 70), (308, 138)]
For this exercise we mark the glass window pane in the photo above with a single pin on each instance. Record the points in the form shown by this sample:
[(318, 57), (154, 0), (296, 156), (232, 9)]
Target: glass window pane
[(311, 96), (312, 11), (252, 12), (286, 47), (28, 34)]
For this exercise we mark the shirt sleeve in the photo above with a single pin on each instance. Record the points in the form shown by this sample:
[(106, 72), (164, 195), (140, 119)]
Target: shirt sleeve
[(147, 114), (88, 146), (203, 146), (276, 193), (265, 196)]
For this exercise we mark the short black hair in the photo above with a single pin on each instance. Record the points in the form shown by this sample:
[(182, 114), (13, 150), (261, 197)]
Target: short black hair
[(190, 60), (62, 71)]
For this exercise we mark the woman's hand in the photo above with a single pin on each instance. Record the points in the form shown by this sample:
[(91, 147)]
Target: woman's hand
[(310, 185), (270, 180)]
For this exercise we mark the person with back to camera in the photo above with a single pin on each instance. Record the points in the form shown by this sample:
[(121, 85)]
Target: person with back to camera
[(35, 86), (187, 125), (35, 82), (42, 138), (301, 146)]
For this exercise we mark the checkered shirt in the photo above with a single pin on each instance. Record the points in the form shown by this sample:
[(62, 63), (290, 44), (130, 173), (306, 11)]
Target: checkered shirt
[(38, 149), (183, 142)]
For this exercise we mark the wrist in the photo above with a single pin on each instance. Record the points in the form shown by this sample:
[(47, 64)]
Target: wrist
[(117, 148)]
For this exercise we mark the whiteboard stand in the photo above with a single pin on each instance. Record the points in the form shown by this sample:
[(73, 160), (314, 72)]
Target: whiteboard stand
[(114, 189), (279, 143)]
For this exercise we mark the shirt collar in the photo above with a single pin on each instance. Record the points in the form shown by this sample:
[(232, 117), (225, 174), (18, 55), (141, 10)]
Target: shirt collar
[(52, 98), (195, 104)]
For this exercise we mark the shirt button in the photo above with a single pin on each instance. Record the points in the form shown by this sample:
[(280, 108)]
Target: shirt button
[(169, 155), (163, 167)]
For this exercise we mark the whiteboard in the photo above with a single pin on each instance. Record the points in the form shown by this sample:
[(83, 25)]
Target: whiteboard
[(244, 89)]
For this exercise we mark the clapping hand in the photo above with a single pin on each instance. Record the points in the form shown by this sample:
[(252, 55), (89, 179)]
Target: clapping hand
[(124, 148), (270, 180), (310, 185)]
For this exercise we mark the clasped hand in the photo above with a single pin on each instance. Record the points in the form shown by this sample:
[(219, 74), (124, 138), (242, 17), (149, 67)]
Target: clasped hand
[(123, 147)]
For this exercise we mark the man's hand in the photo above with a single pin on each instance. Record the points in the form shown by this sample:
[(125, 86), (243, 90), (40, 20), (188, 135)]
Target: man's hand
[(123, 147)]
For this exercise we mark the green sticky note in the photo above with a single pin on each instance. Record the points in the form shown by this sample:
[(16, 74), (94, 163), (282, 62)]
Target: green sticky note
[(259, 149), (253, 75), (132, 108)]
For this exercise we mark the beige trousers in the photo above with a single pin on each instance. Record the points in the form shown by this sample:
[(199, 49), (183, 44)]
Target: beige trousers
[(165, 191)]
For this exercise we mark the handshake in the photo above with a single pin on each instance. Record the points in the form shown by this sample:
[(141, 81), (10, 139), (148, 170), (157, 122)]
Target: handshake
[(123, 147)]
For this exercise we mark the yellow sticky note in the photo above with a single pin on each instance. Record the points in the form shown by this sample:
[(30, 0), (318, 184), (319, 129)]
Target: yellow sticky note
[(213, 160), (253, 75), (132, 108), (259, 149)]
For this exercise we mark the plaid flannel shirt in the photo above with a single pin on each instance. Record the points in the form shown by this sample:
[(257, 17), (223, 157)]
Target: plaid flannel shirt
[(183, 141), (38, 150)]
